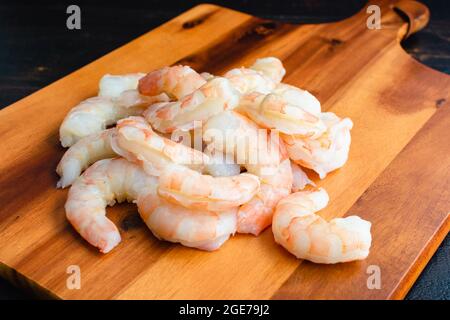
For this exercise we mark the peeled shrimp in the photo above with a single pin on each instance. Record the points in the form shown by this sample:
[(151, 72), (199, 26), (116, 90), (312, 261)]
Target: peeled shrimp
[(271, 67), (213, 97), (261, 154), (82, 154), (202, 229), (136, 141), (104, 183), (299, 178), (308, 236), (180, 184), (176, 82), (113, 85), (294, 96), (220, 164), (274, 112), (256, 215), (325, 153), (194, 190), (95, 114), (263, 76), (247, 80)]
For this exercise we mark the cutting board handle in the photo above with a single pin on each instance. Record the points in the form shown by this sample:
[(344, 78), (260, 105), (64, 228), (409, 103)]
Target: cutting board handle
[(415, 13)]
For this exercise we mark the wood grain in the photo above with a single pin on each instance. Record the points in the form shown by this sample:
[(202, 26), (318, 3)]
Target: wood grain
[(354, 71)]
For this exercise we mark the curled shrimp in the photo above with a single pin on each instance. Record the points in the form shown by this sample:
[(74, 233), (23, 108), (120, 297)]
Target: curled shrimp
[(221, 164), (113, 85), (271, 67), (202, 229), (299, 178), (213, 97), (263, 76), (275, 112), (136, 141), (326, 153), (256, 215), (176, 82), (102, 184), (82, 154), (262, 155), (179, 184), (298, 228), (247, 80), (294, 96), (95, 114), (194, 190)]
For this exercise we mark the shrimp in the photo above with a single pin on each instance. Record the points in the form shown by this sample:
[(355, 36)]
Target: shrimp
[(271, 67), (298, 228), (220, 164), (179, 184), (299, 178), (274, 112), (201, 229), (176, 82), (136, 141), (194, 190), (104, 183), (256, 215), (113, 85), (95, 114), (326, 153), (247, 80), (297, 97), (261, 154), (213, 97), (263, 76), (82, 154)]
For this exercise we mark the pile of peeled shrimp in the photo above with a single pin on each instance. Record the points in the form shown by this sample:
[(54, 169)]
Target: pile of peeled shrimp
[(205, 157)]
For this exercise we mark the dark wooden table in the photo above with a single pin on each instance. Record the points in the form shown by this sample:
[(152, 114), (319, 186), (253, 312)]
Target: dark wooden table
[(36, 48)]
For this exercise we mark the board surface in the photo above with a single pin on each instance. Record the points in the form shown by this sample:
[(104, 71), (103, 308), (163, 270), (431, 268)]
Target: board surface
[(397, 176)]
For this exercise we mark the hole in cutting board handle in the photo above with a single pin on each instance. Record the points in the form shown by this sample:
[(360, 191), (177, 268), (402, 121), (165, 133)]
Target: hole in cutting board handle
[(416, 14)]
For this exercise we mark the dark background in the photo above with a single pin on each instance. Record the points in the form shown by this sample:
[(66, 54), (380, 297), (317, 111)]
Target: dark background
[(36, 49)]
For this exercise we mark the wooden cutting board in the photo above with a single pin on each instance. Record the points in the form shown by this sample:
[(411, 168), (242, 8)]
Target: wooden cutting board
[(397, 176)]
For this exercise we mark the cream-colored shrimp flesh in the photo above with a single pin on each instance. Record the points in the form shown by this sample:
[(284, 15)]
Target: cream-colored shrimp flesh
[(302, 232), (82, 154), (102, 184), (178, 183)]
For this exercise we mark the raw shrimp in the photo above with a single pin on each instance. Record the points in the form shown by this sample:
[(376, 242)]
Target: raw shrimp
[(95, 114), (176, 82), (113, 85), (247, 80), (299, 178), (274, 112), (261, 154), (271, 67), (294, 96), (256, 215), (213, 97), (102, 184), (298, 228), (202, 229), (194, 190), (325, 153), (220, 164), (82, 154), (136, 141), (263, 76), (160, 156)]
